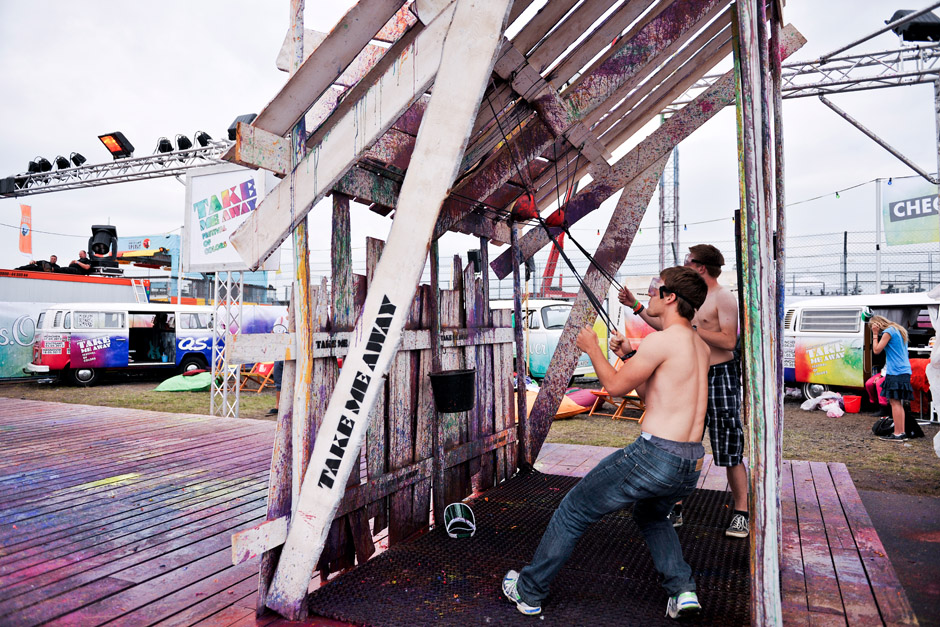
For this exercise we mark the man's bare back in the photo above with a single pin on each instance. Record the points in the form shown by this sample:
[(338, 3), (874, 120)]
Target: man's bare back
[(676, 393), (716, 317)]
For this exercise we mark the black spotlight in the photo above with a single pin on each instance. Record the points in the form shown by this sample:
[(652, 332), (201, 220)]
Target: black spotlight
[(39, 164), (61, 162), (202, 138), (102, 246), (163, 145), (924, 27), (77, 159), (183, 142), (248, 118)]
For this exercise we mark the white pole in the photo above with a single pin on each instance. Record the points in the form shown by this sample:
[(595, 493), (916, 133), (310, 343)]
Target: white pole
[(878, 236)]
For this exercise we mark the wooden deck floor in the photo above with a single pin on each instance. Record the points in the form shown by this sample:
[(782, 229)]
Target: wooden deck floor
[(125, 517)]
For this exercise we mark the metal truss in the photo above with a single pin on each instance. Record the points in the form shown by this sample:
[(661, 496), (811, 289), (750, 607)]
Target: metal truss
[(908, 65), (118, 171), (227, 321)]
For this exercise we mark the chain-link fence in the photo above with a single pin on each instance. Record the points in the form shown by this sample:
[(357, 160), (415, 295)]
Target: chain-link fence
[(826, 264)]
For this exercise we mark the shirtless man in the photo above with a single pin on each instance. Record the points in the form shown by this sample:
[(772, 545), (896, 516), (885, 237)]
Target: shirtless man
[(717, 324), (670, 371)]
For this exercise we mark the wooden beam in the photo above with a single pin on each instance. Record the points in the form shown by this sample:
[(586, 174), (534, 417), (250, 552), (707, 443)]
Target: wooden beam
[(466, 62), (257, 148), (350, 35), (661, 141), (286, 205), (248, 348)]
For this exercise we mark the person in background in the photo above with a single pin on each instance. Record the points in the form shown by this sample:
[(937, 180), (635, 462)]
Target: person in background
[(891, 338), (875, 396), (42, 266), (82, 265)]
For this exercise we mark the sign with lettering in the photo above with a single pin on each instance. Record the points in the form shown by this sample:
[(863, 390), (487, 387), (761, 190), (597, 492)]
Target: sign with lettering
[(218, 200), (910, 212)]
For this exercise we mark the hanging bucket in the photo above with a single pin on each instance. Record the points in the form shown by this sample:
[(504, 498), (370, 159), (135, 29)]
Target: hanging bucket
[(453, 390)]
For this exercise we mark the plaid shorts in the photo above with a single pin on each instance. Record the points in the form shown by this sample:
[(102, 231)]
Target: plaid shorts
[(721, 417)]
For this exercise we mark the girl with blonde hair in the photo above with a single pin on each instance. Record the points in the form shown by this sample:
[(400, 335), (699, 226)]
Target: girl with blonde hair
[(892, 338)]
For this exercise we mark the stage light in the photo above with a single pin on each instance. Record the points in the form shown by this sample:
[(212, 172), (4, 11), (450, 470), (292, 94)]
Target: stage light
[(61, 162), (102, 246), (925, 27), (77, 159), (40, 164), (163, 145), (248, 118), (202, 138), (117, 145), (183, 142)]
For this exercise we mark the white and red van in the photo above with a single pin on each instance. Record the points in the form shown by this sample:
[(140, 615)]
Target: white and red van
[(81, 340)]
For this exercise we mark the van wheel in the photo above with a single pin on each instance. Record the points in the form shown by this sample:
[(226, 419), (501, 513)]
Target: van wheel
[(83, 376), (814, 390), (192, 363)]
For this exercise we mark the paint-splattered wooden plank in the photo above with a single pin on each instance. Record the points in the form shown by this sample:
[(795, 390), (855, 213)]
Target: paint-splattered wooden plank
[(792, 579), (397, 88), (472, 297), (424, 415), (213, 605), (822, 589), (892, 600), (455, 479), (376, 439)]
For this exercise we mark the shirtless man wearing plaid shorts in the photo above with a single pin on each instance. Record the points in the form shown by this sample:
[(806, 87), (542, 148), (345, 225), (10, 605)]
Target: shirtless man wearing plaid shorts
[(717, 324)]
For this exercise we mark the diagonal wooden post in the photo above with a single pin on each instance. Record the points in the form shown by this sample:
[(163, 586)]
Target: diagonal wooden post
[(761, 391), (610, 254), (465, 66)]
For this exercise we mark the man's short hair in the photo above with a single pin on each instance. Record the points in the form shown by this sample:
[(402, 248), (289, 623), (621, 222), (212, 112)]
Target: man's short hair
[(708, 256), (688, 286)]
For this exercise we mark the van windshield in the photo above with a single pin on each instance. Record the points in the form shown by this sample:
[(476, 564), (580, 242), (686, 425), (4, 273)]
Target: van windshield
[(555, 316)]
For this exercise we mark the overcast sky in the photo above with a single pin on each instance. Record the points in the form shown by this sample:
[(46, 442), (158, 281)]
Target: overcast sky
[(75, 70)]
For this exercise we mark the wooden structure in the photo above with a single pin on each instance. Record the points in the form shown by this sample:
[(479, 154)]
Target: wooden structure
[(446, 127), (124, 517)]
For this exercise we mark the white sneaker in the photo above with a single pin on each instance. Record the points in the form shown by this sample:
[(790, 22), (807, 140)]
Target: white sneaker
[(509, 589), (683, 605)]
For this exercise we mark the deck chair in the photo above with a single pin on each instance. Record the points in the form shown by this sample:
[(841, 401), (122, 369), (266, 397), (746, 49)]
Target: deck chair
[(257, 377), (630, 401)]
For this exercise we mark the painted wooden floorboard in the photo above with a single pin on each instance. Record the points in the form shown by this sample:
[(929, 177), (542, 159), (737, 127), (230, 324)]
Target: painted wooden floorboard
[(92, 546)]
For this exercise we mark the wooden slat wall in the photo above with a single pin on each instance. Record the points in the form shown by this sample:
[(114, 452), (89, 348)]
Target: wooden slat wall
[(399, 437)]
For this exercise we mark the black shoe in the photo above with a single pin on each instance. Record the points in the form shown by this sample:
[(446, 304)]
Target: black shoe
[(895, 438), (272, 412)]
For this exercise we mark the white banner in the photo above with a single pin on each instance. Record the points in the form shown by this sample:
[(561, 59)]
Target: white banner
[(218, 200)]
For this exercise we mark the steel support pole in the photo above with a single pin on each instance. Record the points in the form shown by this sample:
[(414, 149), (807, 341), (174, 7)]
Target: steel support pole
[(878, 215)]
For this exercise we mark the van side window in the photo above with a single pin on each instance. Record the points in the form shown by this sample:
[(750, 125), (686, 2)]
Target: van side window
[(68, 320), (194, 321), (41, 321), (84, 320), (58, 319), (113, 320), (555, 316), (831, 320)]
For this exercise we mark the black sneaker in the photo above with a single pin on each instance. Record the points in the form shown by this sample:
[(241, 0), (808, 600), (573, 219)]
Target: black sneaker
[(675, 518), (272, 412), (895, 438), (738, 527)]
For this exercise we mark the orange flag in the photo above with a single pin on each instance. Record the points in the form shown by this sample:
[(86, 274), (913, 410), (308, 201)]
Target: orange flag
[(26, 230)]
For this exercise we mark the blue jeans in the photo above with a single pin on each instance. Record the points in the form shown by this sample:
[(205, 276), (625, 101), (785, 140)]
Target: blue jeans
[(640, 473)]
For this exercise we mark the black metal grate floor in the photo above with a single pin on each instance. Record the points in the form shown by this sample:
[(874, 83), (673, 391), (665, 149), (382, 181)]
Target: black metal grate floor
[(610, 579)]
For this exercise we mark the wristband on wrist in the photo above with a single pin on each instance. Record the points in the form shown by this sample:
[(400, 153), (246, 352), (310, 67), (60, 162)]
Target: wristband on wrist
[(628, 355), (637, 307)]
